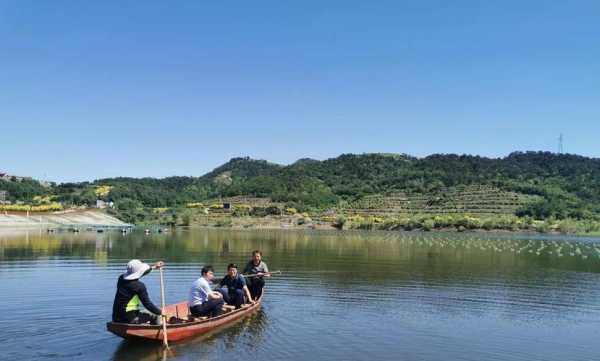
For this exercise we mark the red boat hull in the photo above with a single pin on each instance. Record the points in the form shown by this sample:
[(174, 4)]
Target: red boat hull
[(180, 331)]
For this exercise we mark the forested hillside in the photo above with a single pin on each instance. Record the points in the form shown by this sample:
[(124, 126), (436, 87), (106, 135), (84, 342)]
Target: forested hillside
[(542, 184)]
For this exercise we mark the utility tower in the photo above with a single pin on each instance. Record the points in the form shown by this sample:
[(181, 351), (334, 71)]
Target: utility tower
[(560, 144)]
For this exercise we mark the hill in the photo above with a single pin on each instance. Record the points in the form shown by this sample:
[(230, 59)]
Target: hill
[(540, 185)]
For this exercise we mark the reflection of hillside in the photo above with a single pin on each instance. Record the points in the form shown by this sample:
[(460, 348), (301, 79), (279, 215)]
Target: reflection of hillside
[(32, 245), (446, 273), (372, 256)]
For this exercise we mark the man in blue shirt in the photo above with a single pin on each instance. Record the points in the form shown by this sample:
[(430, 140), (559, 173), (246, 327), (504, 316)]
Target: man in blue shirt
[(233, 287), (202, 300)]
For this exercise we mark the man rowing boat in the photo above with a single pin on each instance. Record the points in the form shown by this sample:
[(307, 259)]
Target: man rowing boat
[(131, 292)]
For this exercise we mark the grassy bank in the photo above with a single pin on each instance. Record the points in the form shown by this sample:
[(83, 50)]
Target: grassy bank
[(275, 217), (465, 222)]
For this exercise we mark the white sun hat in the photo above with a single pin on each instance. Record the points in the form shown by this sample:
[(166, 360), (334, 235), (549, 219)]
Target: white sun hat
[(135, 269)]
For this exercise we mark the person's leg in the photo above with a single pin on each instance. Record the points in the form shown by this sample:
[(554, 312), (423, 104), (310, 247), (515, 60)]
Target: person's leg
[(137, 317), (225, 293), (216, 307), (209, 308), (198, 310), (237, 297), (258, 285), (146, 317), (250, 283), (132, 317)]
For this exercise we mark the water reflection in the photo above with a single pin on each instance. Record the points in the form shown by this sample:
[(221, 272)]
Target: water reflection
[(141, 351), (342, 295)]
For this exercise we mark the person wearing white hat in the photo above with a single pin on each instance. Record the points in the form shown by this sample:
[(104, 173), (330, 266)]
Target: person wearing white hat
[(131, 292)]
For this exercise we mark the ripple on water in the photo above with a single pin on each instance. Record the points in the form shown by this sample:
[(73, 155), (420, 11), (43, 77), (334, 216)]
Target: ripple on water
[(346, 295)]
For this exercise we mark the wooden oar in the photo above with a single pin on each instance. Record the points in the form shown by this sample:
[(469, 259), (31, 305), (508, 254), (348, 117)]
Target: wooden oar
[(217, 280), (263, 274), (164, 316)]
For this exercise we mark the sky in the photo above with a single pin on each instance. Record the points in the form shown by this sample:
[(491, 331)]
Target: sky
[(95, 89)]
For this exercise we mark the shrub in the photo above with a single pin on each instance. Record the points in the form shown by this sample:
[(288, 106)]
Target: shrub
[(54, 206), (194, 205), (542, 226), (265, 211), (102, 191), (567, 226), (223, 222), (339, 222), (241, 210), (428, 224)]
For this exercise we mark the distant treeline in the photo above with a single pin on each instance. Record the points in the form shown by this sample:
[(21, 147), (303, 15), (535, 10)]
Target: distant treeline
[(569, 185)]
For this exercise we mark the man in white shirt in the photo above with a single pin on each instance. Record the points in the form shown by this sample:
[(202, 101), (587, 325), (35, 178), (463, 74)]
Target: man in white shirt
[(203, 301)]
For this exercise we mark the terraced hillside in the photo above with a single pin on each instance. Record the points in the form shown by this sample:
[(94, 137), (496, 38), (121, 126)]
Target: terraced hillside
[(462, 199), (537, 185)]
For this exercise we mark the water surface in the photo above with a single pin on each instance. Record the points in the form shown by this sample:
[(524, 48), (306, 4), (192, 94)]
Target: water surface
[(342, 295)]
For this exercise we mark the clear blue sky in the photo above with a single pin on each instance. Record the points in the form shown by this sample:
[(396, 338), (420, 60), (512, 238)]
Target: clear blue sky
[(92, 89)]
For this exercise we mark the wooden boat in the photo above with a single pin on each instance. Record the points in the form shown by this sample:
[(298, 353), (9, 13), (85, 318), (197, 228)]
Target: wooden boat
[(186, 327)]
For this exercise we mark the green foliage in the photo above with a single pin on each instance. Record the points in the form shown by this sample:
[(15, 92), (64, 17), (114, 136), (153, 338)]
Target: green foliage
[(23, 190), (566, 186), (569, 185), (223, 222), (265, 211), (186, 218), (339, 222)]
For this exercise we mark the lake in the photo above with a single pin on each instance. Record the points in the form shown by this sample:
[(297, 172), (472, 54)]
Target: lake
[(341, 295)]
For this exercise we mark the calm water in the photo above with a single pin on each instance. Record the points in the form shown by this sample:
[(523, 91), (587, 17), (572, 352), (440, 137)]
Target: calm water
[(342, 296)]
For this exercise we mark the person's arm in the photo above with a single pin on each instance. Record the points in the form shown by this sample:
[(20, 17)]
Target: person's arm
[(246, 290), (214, 295), (248, 268), (248, 296), (266, 270), (210, 294), (143, 295)]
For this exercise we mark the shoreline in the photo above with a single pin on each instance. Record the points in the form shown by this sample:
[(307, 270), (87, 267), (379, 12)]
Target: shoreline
[(465, 224), (4, 230), (97, 219), (63, 219), (414, 231)]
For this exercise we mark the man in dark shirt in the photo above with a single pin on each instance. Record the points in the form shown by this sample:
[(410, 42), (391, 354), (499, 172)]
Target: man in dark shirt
[(233, 287), (258, 269), (131, 292)]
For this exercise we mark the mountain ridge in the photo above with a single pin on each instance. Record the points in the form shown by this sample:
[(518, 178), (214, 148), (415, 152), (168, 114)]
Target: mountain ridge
[(568, 185)]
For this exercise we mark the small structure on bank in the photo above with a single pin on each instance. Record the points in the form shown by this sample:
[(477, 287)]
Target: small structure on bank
[(100, 204)]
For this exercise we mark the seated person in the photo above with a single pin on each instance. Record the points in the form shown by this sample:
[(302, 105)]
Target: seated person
[(131, 292), (202, 300), (233, 287), (257, 267)]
